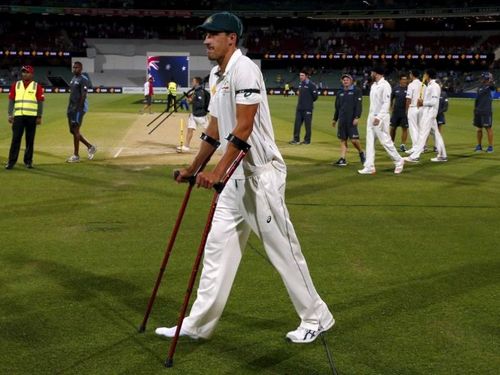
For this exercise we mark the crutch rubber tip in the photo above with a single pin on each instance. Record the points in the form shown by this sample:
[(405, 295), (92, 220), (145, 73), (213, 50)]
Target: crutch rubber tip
[(169, 362)]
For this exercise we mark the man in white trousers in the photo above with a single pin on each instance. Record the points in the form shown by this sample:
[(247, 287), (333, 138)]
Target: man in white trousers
[(253, 199), (430, 105), (414, 92), (377, 125)]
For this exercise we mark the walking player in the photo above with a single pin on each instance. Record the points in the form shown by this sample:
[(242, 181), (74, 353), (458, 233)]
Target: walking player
[(199, 115), (25, 113), (413, 93), (430, 105), (308, 94), (348, 107), (377, 125), (77, 107), (399, 117), (253, 199), (483, 114)]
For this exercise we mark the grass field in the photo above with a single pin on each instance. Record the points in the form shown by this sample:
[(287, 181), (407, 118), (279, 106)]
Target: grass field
[(409, 264)]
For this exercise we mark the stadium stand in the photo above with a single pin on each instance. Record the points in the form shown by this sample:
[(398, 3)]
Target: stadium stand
[(114, 47)]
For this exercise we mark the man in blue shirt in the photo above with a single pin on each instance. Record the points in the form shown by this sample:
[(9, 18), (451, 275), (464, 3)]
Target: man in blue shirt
[(308, 93), (77, 107), (483, 112), (348, 107), (398, 105)]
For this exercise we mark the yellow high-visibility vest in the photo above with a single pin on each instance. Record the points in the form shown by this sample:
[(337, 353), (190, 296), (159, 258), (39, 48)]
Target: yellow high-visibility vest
[(172, 88), (25, 103)]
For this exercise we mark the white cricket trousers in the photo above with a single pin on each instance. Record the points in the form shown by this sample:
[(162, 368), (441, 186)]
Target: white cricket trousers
[(428, 123), (414, 117), (381, 131), (256, 203)]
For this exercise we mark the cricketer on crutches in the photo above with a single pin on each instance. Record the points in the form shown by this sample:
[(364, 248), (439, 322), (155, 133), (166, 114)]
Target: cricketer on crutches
[(253, 199)]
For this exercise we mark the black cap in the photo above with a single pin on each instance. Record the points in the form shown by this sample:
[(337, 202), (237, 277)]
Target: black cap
[(223, 21), (378, 69)]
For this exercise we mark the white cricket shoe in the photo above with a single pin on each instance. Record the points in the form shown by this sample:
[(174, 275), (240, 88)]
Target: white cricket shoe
[(366, 170), (73, 159), (183, 149), (409, 151), (170, 332), (304, 336), (439, 159), (399, 167), (92, 150), (410, 159)]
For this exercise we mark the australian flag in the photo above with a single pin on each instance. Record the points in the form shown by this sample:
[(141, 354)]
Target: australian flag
[(164, 69)]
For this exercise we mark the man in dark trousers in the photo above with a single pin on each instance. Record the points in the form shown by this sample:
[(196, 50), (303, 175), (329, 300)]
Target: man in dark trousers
[(308, 93), (398, 106), (25, 113), (483, 113), (348, 107), (77, 107)]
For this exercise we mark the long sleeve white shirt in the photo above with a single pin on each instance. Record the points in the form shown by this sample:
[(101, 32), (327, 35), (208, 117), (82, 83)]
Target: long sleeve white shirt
[(431, 95), (380, 98)]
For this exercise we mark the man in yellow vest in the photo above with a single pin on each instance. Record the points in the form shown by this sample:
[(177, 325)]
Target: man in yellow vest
[(25, 113), (172, 95)]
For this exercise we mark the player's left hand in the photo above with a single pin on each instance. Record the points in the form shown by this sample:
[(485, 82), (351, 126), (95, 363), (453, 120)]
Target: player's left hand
[(355, 122), (38, 120), (376, 121)]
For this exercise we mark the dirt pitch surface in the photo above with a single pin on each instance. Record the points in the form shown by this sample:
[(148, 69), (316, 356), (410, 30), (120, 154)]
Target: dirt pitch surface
[(140, 148)]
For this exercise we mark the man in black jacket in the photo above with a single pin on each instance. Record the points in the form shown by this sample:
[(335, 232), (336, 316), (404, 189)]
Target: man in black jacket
[(348, 108), (308, 94)]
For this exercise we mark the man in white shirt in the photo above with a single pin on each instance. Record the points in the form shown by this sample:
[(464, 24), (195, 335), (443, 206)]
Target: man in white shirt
[(377, 125), (253, 199), (148, 94), (414, 92), (430, 105)]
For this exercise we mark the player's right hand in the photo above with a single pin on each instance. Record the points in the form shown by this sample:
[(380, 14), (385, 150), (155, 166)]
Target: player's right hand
[(11, 119), (182, 176)]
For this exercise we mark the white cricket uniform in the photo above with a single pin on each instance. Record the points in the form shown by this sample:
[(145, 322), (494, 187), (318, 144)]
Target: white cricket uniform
[(380, 101), (253, 200), (428, 121), (413, 93)]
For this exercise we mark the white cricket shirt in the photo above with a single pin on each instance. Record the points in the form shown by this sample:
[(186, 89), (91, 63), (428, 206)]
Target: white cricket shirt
[(380, 98), (242, 83), (413, 91), (431, 96)]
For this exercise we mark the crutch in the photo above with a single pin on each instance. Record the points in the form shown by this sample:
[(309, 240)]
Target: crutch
[(191, 180), (169, 362)]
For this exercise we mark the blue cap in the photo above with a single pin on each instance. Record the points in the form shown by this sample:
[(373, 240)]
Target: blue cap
[(223, 22), (486, 76)]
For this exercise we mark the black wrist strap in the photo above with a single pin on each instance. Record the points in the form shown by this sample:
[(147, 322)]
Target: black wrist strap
[(211, 141), (239, 143)]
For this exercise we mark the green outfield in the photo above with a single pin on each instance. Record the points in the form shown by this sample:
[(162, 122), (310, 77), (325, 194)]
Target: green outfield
[(409, 264)]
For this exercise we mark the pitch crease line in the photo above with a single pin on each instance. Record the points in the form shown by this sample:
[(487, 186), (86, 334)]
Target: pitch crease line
[(118, 153)]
